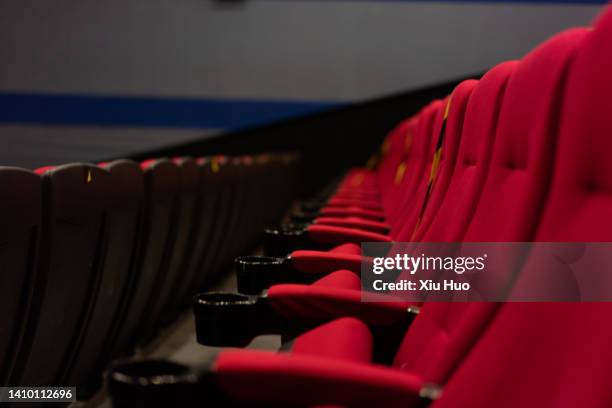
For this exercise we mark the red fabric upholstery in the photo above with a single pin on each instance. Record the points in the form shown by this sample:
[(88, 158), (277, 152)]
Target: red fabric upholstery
[(581, 181), (145, 164), (355, 202), (453, 328), (564, 362), (349, 248), (443, 334), (294, 380), (419, 156), (308, 302), (452, 138), (354, 222), (538, 354), (414, 193), (340, 279), (321, 262), (522, 157), (44, 169), (453, 216), (359, 179), (353, 212), (397, 148), (325, 234), (440, 337), (346, 338)]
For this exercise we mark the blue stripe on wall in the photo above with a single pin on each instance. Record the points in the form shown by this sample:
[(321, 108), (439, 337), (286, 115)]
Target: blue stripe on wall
[(61, 109)]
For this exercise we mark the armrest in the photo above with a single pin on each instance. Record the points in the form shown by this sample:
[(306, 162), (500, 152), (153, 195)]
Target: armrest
[(257, 273), (319, 303), (354, 222), (296, 380), (355, 202), (281, 240), (226, 319), (353, 212), (360, 194), (319, 262), (326, 234)]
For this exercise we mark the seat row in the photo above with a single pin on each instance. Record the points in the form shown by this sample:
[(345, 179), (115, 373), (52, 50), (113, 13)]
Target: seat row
[(95, 259), (520, 155)]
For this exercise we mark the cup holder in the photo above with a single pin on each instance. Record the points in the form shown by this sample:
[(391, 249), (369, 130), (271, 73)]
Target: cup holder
[(148, 372), (152, 383), (225, 319), (283, 239), (256, 273), (285, 229)]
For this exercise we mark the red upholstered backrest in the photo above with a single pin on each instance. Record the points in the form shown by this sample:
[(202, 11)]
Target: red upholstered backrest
[(582, 181), (560, 351), (413, 153), (397, 149), (452, 218), (431, 333), (521, 164), (417, 160), (409, 212), (425, 207)]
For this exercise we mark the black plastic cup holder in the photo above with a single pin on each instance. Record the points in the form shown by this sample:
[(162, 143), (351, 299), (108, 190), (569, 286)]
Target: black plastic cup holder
[(283, 239), (162, 383), (256, 273), (227, 319), (150, 371), (152, 383)]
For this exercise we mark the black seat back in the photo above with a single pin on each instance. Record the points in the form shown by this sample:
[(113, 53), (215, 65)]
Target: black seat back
[(157, 239), (75, 204), (123, 227), (20, 226)]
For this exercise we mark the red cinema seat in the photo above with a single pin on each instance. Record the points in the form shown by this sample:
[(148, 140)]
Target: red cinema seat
[(563, 362), (432, 333), (442, 334), (319, 262), (511, 192)]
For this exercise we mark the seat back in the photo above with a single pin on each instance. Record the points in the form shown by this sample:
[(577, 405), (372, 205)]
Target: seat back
[(439, 170), (20, 228), (411, 175), (392, 150), (208, 212), (161, 183), (392, 174), (185, 225), (521, 163), (126, 196), (473, 158), (451, 329), (74, 237), (226, 225), (561, 351)]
